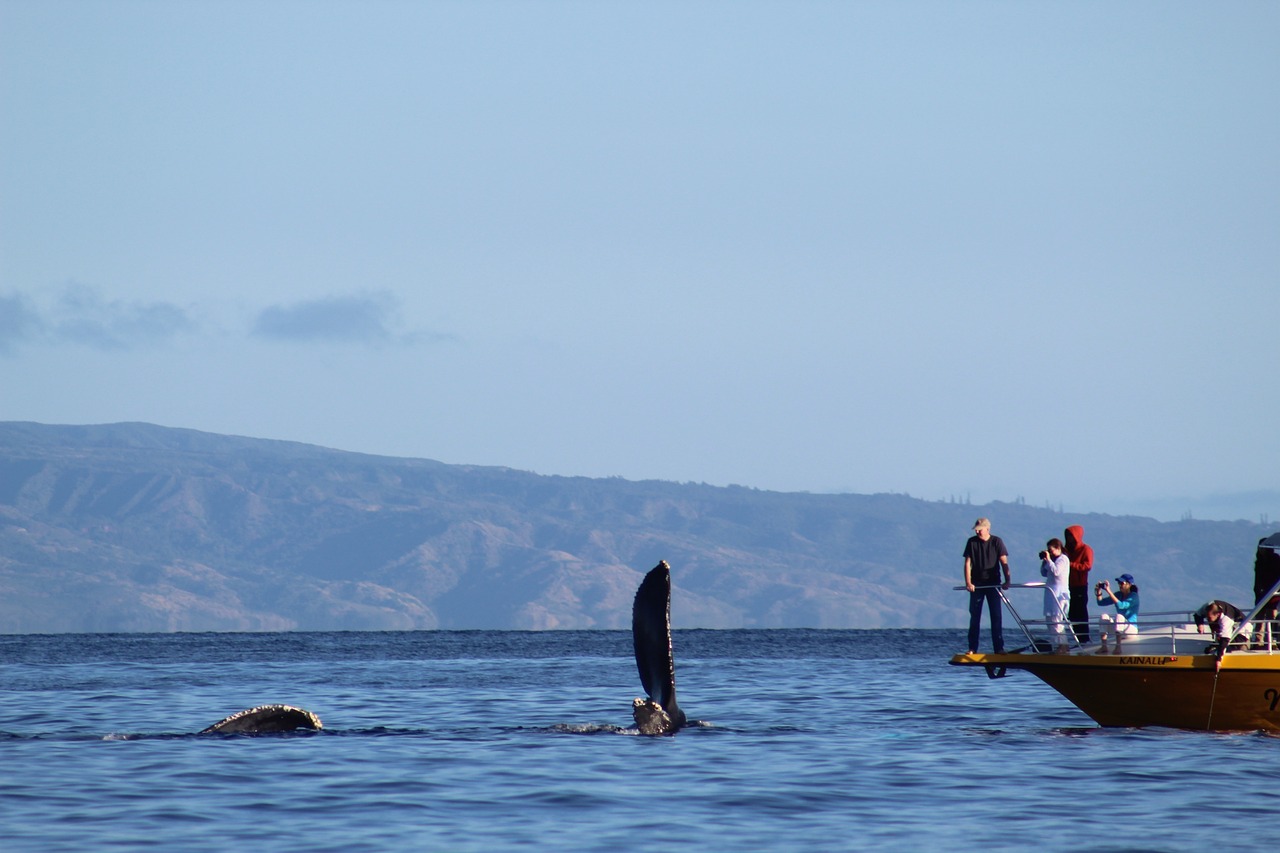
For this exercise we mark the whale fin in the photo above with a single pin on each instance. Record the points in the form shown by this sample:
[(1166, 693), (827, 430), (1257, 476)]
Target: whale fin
[(651, 635), (264, 719)]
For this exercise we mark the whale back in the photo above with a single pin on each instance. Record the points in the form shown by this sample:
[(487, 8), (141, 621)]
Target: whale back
[(266, 719)]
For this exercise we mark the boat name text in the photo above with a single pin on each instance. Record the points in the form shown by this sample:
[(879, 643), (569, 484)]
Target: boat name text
[(1143, 660)]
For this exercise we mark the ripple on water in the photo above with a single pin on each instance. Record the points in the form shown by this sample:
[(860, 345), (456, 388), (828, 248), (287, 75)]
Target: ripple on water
[(478, 741)]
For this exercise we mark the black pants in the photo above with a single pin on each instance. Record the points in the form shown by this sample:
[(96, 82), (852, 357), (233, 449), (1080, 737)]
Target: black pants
[(1078, 612), (991, 596)]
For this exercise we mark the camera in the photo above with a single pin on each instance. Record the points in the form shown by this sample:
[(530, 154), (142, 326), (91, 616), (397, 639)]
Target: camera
[(1044, 555)]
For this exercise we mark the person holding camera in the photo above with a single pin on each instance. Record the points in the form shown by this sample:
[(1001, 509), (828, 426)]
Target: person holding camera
[(1125, 620), (1055, 568)]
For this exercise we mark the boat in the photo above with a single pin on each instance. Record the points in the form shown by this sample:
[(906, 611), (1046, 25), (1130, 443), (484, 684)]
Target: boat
[(1171, 674)]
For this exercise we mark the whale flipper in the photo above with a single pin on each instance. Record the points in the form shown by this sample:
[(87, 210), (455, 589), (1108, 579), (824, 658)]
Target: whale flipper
[(265, 719), (651, 635)]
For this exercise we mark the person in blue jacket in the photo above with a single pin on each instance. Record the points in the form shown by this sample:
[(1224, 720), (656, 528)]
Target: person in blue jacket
[(1125, 620)]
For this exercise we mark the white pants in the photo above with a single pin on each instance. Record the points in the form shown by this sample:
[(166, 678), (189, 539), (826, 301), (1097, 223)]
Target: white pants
[(1122, 626), (1055, 611)]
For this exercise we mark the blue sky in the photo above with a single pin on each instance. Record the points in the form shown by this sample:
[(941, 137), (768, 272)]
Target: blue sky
[(983, 250)]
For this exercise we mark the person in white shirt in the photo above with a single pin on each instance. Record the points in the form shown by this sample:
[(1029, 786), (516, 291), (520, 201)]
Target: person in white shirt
[(1222, 617), (1055, 568)]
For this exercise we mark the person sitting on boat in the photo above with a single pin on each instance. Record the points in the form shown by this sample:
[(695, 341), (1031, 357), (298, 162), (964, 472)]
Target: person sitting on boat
[(1222, 617), (1055, 568), (1125, 621)]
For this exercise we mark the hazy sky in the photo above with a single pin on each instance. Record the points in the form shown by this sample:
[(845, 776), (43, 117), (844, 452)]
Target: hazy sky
[(994, 250)]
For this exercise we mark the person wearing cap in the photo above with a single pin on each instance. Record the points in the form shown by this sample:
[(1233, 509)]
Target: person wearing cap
[(1125, 620), (984, 556)]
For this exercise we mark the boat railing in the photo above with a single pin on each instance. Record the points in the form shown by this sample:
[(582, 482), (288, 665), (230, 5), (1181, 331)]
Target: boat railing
[(1177, 627), (1034, 642)]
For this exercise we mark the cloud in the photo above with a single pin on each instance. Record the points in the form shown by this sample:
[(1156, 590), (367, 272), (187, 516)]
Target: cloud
[(360, 319), (84, 317), (79, 314), (19, 322)]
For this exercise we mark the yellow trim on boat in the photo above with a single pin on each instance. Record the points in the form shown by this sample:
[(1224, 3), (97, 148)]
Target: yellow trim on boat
[(1176, 691)]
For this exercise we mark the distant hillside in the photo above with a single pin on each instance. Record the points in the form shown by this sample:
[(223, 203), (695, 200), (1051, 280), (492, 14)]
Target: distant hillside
[(133, 527)]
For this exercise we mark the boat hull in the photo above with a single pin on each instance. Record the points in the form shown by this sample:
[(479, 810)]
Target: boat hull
[(1177, 691)]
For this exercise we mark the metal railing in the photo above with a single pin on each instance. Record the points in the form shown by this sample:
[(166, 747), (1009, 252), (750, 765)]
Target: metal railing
[(1178, 625)]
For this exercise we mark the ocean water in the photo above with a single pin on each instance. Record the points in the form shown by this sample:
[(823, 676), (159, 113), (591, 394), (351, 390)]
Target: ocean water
[(811, 740)]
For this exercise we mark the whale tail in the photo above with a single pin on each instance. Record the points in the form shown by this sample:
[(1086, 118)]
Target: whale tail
[(651, 635), (266, 719)]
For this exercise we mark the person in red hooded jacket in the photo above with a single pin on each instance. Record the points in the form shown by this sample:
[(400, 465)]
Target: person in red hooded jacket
[(1081, 557)]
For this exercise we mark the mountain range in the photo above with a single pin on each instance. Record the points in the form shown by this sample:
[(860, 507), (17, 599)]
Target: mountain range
[(136, 527)]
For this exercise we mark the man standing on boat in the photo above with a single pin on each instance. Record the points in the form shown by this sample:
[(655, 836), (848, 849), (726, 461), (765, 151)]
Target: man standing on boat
[(984, 557), (1266, 574), (1081, 557)]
